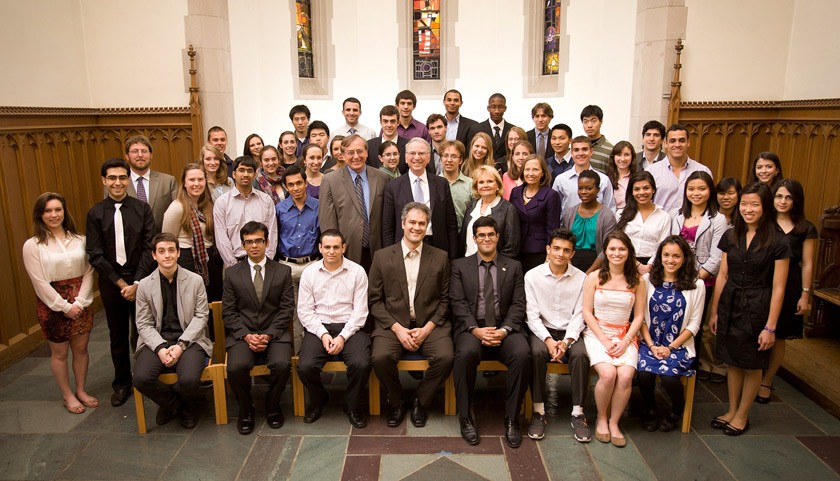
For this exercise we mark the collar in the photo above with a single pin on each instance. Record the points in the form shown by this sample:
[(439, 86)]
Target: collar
[(135, 176), (500, 125), (423, 176), (543, 132), (394, 139), (354, 174), (342, 267), (494, 261), (262, 263), (406, 250), (570, 271), (309, 203)]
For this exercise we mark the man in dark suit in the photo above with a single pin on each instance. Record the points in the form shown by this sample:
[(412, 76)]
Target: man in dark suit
[(409, 298), (487, 294), (154, 188), (458, 127), (351, 201), (540, 135), (388, 120), (257, 306), (496, 126), (428, 189)]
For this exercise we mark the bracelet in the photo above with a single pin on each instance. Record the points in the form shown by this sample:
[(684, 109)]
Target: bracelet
[(769, 330)]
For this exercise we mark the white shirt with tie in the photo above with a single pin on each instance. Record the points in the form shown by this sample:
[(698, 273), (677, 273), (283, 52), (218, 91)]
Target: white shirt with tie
[(424, 190)]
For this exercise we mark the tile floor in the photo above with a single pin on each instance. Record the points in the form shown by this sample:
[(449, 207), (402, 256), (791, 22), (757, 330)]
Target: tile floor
[(789, 438)]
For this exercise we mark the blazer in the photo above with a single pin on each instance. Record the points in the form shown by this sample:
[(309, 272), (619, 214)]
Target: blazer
[(499, 150), (388, 297), (444, 222), (709, 232), (467, 128), (463, 293), (339, 208), (373, 153), (162, 191), (532, 137), (537, 218), (192, 310), (508, 221), (244, 314)]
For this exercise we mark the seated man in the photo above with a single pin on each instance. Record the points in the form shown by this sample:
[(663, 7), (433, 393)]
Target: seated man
[(257, 306), (171, 328), (409, 298), (555, 319), (488, 308), (333, 307)]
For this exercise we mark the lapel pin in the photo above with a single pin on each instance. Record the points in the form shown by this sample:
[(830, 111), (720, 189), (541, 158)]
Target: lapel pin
[(504, 269)]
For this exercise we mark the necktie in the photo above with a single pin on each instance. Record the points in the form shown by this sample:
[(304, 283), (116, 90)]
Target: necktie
[(366, 226), (352, 131), (418, 191), (498, 136), (119, 235), (258, 283), (489, 296), (141, 190), (541, 146)]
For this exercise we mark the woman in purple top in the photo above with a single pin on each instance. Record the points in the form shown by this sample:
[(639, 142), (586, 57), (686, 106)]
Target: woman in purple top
[(312, 156), (539, 211)]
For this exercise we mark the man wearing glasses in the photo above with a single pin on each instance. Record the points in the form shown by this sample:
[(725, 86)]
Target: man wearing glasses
[(418, 185), (150, 186)]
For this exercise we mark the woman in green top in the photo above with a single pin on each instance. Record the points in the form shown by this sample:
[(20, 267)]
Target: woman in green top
[(389, 155), (589, 222)]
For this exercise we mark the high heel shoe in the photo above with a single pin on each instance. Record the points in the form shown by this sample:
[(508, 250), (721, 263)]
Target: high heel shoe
[(764, 400)]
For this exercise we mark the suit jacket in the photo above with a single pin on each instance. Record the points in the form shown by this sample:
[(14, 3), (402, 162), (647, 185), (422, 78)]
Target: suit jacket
[(508, 222), (373, 153), (192, 310), (467, 128), (463, 293), (162, 191), (388, 288), (532, 137), (399, 192), (339, 208), (244, 314), (537, 218), (499, 149)]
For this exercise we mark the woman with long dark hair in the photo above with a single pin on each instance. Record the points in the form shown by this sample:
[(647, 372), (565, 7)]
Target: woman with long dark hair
[(620, 166), (513, 177), (287, 147), (58, 267), (766, 168), (727, 196), (644, 222), (253, 147), (749, 293), (312, 157), (269, 177)]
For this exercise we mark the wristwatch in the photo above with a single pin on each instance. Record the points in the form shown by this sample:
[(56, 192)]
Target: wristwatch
[(183, 345)]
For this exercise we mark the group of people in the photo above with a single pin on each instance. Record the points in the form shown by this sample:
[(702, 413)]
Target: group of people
[(455, 240)]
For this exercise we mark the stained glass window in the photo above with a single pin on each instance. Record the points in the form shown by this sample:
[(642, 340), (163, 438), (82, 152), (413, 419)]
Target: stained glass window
[(303, 20), (426, 39), (551, 46)]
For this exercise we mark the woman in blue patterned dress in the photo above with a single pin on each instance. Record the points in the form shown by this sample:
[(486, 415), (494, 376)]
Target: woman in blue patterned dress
[(674, 310)]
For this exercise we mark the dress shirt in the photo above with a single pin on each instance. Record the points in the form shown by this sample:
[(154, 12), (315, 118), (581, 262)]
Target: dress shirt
[(620, 192), (566, 184), (232, 211), (365, 185), (546, 135), (411, 258), (364, 131), (424, 187), (452, 128), (461, 189), (644, 162), (138, 230), (669, 187), (480, 314), (647, 234), (554, 302), (415, 129), (298, 228), (338, 297), (472, 248), (262, 267), (58, 261), (146, 181), (558, 167)]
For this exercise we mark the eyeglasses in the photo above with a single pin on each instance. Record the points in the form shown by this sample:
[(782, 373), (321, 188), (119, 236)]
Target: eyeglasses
[(114, 178), (249, 242), (451, 156), (139, 151), (482, 236), (417, 154)]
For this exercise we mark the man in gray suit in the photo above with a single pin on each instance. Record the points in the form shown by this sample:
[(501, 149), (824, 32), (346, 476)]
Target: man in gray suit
[(152, 187), (351, 201), (171, 327)]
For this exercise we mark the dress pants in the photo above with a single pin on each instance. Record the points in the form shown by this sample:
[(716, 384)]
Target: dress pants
[(355, 355), (575, 357), (148, 367), (437, 349), (297, 333), (120, 316), (241, 359), (514, 353)]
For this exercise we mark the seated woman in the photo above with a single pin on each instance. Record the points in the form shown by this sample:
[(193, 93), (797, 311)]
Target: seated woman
[(620, 166), (288, 147), (673, 313), (589, 221), (644, 222), (213, 164), (389, 155), (538, 206), (312, 157), (487, 200), (481, 153), (513, 176), (269, 177), (610, 296), (253, 147)]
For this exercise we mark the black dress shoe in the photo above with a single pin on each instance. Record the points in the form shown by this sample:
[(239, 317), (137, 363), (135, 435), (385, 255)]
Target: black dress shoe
[(731, 430), (418, 414), (165, 415), (275, 420), (650, 421), (396, 415), (314, 412), (120, 396), (356, 418), (513, 435), (185, 416), (245, 423), (669, 423), (718, 423), (468, 431)]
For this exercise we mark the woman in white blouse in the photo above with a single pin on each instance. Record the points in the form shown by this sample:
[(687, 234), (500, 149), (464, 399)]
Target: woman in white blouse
[(644, 222), (56, 262)]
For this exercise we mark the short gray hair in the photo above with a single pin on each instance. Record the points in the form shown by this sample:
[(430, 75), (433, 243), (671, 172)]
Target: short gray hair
[(419, 140), (419, 206)]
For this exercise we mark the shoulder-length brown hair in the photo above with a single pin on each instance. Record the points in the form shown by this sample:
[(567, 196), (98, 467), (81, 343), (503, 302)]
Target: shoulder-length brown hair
[(204, 204), (221, 175), (631, 271), (42, 232), (687, 274)]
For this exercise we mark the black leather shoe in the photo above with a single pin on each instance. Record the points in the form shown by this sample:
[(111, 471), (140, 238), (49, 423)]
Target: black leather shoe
[(356, 418), (185, 417), (650, 421), (120, 396), (468, 431), (396, 416), (165, 415), (245, 423), (313, 413), (513, 435), (669, 423), (418, 414), (275, 420)]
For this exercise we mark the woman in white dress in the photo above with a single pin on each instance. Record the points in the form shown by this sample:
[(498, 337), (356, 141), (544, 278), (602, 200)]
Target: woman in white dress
[(57, 264)]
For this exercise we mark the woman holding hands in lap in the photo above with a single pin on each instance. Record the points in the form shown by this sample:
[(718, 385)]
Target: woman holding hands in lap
[(538, 206)]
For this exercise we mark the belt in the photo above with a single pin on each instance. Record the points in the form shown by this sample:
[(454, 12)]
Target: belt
[(299, 260)]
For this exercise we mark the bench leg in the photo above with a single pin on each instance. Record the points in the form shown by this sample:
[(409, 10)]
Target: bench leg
[(219, 396), (374, 394), (689, 403), (298, 400), (141, 411), (449, 394)]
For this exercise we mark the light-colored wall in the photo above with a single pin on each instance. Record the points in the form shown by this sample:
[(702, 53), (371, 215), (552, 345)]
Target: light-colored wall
[(813, 65)]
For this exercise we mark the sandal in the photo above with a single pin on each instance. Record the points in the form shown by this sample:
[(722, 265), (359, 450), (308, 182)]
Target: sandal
[(78, 409), (764, 400)]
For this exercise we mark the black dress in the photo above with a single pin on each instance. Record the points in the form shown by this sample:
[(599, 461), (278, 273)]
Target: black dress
[(790, 325), (745, 301)]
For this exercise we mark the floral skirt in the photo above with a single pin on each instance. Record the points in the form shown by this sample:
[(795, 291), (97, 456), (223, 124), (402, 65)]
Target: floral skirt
[(55, 326)]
